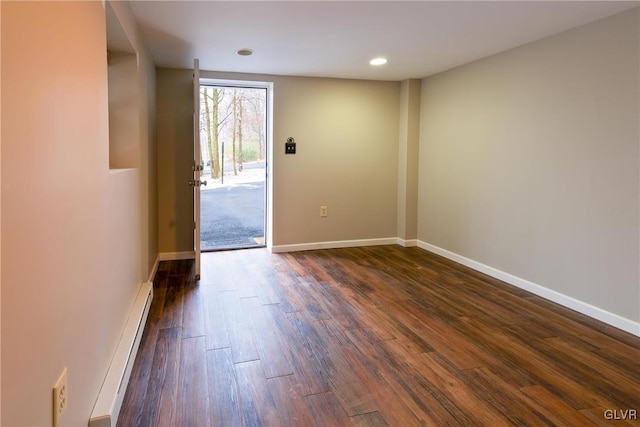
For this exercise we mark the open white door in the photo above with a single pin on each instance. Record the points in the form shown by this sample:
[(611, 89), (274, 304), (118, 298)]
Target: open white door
[(197, 165)]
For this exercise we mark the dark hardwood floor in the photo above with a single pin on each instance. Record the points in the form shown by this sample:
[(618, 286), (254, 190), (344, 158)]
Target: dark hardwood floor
[(376, 336)]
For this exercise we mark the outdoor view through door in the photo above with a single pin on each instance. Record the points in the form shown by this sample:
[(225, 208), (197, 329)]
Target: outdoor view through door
[(233, 149)]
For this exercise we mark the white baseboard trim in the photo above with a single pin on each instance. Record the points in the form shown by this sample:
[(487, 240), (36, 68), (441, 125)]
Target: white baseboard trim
[(174, 256), (154, 270), (411, 243), (605, 316), (334, 245), (107, 408)]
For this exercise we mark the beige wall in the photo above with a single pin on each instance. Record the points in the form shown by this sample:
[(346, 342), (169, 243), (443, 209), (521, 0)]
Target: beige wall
[(148, 164), (174, 97), (529, 163), (124, 124), (147, 143), (408, 144), (74, 247), (347, 158)]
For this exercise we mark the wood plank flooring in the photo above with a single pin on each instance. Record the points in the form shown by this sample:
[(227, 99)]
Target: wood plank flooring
[(376, 336)]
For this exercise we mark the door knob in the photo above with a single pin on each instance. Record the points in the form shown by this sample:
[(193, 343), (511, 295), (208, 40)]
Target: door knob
[(198, 183)]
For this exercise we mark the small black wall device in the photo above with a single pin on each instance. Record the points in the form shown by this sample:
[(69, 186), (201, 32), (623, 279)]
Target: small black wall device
[(290, 146)]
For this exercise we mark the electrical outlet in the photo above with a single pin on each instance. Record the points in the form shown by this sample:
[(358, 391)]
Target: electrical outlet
[(324, 212), (59, 397)]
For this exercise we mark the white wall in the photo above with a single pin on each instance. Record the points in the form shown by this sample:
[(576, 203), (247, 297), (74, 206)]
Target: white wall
[(74, 244), (529, 163)]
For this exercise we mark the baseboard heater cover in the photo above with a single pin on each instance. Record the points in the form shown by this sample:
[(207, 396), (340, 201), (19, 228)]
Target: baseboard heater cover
[(107, 408)]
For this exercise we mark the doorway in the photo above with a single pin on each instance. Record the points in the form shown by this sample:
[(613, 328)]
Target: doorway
[(234, 148)]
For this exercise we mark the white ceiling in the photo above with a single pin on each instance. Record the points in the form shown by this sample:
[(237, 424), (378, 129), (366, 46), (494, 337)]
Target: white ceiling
[(338, 38)]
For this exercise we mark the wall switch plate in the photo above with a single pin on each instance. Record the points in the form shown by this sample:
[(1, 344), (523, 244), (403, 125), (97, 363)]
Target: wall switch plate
[(324, 212), (59, 397)]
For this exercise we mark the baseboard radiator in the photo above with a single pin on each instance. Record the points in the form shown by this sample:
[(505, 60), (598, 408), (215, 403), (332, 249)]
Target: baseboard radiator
[(105, 412)]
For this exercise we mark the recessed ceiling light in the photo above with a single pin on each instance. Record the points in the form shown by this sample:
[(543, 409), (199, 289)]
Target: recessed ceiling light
[(245, 52), (378, 61)]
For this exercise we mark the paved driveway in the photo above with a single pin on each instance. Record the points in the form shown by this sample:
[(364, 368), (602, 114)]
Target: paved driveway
[(232, 216)]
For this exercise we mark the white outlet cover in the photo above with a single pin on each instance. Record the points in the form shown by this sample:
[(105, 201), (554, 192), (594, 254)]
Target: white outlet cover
[(59, 397)]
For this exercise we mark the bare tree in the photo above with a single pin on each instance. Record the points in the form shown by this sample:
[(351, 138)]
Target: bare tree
[(239, 112), (240, 101), (215, 123), (212, 140), (256, 102)]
